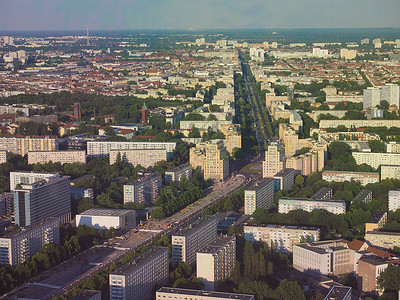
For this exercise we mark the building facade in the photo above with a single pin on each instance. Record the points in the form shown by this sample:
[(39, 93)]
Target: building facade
[(216, 261), (341, 176), (143, 190), (390, 172), (383, 239), (145, 158), (138, 278), (332, 206), (284, 180), (6, 204), (28, 177), (105, 218), (369, 268), (394, 200), (21, 245), (282, 237), (62, 157), (188, 241), (21, 145), (274, 160), (47, 198), (259, 195), (178, 173)]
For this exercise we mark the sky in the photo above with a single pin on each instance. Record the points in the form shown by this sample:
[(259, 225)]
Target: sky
[(196, 14)]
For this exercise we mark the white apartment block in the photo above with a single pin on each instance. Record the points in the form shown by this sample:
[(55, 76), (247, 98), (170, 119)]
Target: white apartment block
[(3, 157), (341, 176), (390, 172), (377, 159), (274, 160), (166, 293), (105, 218), (393, 147), (21, 245), (178, 173), (324, 257), (394, 200), (145, 158), (143, 190), (138, 278), (62, 157), (188, 241), (283, 237), (383, 239), (6, 204), (23, 144), (259, 195), (203, 125), (359, 123), (216, 261), (27, 177), (333, 206), (99, 149)]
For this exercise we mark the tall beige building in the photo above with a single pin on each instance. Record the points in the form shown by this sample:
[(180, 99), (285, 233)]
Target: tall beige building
[(23, 144), (233, 137), (145, 158), (216, 261), (212, 159), (274, 160), (62, 157), (138, 278), (259, 195), (189, 240)]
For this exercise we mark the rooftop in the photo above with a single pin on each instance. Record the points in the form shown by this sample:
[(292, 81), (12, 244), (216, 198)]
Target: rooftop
[(195, 225), (205, 293), (338, 293), (283, 172), (259, 184), (377, 216), (85, 294), (139, 260), (311, 200), (362, 195), (179, 167), (219, 243), (107, 212), (28, 228), (282, 226), (373, 260), (383, 232), (351, 172), (323, 192)]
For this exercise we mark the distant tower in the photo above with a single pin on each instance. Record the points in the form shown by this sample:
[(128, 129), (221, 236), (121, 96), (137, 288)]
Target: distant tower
[(87, 37), (145, 114), (77, 111)]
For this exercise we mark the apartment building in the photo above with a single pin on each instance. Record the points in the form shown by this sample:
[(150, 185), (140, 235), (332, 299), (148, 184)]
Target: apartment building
[(332, 206), (274, 160), (189, 240), (383, 239), (62, 157), (377, 159), (283, 237), (304, 164), (358, 123), (324, 257), (50, 197), (79, 193), (3, 157), (105, 218), (284, 180), (339, 292), (323, 193), (28, 177), (212, 159), (390, 172), (233, 137), (394, 200), (165, 293), (204, 125), (145, 158), (364, 196), (102, 148), (259, 195), (6, 204), (390, 92), (143, 190), (340, 176), (369, 267), (347, 53), (377, 220), (18, 246), (23, 144), (178, 173), (138, 278), (215, 262)]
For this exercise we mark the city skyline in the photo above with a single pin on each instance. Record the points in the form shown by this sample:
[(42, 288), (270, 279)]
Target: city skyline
[(198, 15)]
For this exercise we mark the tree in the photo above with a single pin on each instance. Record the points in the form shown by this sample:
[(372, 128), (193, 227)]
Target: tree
[(389, 280), (290, 290), (299, 180), (214, 108), (376, 146), (212, 117)]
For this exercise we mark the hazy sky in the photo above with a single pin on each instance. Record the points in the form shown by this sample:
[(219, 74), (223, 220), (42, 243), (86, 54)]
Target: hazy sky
[(196, 14)]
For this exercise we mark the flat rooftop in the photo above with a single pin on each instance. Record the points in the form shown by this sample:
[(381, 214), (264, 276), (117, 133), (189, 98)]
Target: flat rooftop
[(106, 212), (373, 260), (85, 294), (139, 260), (179, 167), (362, 195), (338, 293), (294, 227), (219, 243), (283, 172), (28, 228), (351, 172), (376, 217), (205, 293), (194, 226), (311, 200), (258, 184), (383, 232)]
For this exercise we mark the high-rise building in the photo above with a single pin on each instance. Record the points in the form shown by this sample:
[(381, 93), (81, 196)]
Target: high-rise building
[(28, 177), (347, 53), (145, 114), (18, 246), (185, 294), (21, 145), (364, 41), (332, 206), (394, 200), (259, 195), (143, 190), (283, 237), (6, 204), (274, 160), (284, 180), (178, 173), (215, 262), (374, 95), (145, 158), (189, 240), (77, 111), (212, 159), (371, 97), (233, 137), (50, 197), (138, 278)]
